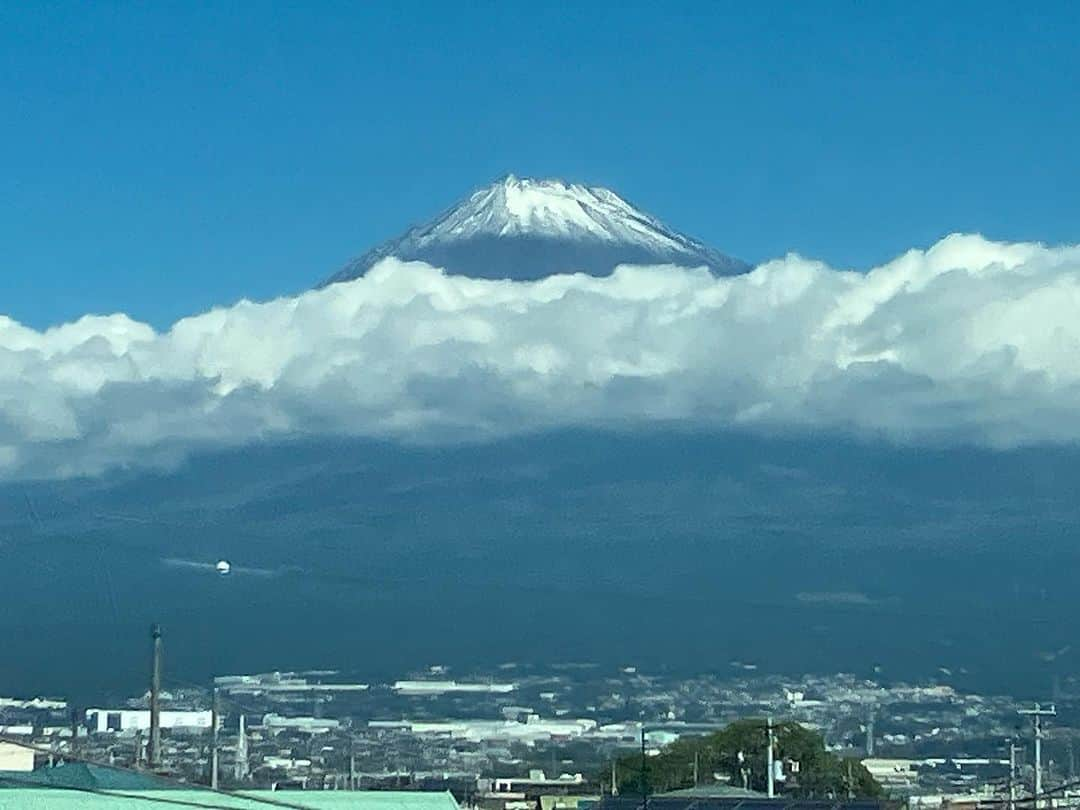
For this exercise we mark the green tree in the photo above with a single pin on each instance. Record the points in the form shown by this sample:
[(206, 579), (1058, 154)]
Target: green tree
[(821, 773)]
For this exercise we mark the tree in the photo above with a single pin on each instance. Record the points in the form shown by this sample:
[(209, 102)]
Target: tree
[(821, 773)]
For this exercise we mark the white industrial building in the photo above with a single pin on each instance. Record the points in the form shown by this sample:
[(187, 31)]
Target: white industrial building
[(101, 721), (16, 757), (435, 688), (534, 729), (40, 704), (313, 725)]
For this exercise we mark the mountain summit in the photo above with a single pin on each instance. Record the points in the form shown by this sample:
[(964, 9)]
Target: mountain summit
[(525, 229)]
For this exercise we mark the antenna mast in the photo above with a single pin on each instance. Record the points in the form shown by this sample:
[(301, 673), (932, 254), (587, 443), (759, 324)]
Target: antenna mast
[(1037, 714)]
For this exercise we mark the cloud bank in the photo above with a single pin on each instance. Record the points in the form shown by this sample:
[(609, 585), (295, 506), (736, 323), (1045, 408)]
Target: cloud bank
[(970, 341)]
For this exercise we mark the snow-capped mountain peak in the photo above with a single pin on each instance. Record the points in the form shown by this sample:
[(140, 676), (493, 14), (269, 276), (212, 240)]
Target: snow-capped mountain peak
[(516, 206), (521, 228)]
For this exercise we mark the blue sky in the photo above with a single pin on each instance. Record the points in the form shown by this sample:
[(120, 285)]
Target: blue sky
[(159, 159)]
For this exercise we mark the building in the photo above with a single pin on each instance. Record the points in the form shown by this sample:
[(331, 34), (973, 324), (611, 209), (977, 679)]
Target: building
[(101, 721), (539, 782), (430, 688), (16, 758), (537, 791), (280, 682), (33, 704), (312, 725), (895, 775), (531, 730)]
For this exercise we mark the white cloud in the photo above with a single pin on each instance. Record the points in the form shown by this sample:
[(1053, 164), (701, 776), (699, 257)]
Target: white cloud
[(969, 341)]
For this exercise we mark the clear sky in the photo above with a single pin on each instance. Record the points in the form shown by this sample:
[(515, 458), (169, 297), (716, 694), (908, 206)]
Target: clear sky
[(161, 158)]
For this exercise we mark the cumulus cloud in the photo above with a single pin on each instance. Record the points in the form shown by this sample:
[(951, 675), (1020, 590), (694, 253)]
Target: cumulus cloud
[(969, 341)]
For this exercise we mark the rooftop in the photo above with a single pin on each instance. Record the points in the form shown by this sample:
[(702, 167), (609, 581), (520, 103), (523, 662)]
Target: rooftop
[(72, 798)]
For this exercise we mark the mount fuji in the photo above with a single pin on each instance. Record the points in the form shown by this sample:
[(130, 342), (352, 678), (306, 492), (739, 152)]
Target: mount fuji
[(524, 229)]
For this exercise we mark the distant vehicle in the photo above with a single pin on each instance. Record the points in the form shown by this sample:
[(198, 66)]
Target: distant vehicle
[(224, 567)]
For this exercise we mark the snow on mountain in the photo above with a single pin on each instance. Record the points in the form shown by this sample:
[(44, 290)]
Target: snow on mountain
[(526, 229)]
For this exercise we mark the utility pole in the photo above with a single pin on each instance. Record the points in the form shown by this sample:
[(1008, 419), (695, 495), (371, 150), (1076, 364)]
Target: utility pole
[(696, 755), (352, 765), (1037, 714), (240, 770), (644, 773), (1012, 775), (74, 731), (870, 734), (769, 758), (614, 781), (215, 721), (154, 754)]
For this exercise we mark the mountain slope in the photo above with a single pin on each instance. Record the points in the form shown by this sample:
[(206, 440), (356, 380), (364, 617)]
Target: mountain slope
[(526, 229), (846, 555)]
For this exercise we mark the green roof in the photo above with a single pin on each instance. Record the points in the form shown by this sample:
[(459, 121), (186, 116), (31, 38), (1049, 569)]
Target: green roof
[(83, 775), (36, 798)]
